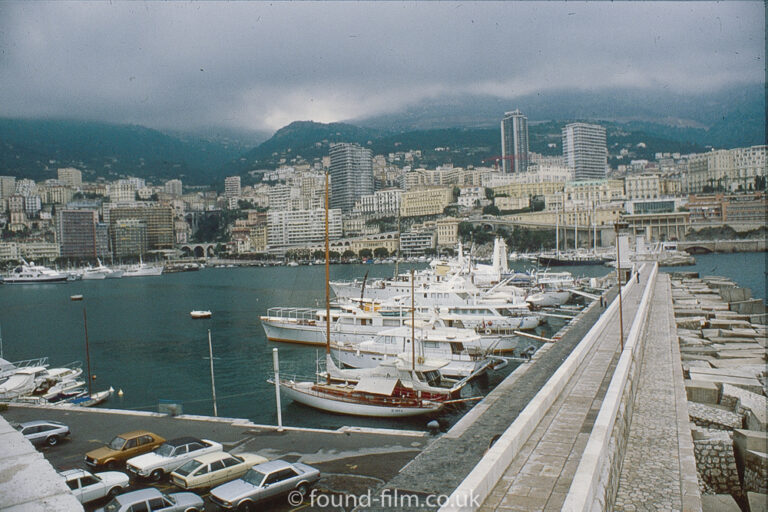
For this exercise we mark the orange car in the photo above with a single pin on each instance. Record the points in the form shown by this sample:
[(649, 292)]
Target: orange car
[(122, 448)]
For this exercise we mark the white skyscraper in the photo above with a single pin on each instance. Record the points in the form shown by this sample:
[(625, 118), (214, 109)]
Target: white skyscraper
[(232, 187), (351, 173), (173, 187), (514, 142), (584, 150)]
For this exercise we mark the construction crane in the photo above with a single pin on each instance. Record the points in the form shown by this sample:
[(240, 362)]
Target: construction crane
[(496, 159)]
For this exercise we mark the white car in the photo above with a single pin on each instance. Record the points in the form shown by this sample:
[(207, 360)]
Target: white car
[(88, 487), (213, 469), (169, 456)]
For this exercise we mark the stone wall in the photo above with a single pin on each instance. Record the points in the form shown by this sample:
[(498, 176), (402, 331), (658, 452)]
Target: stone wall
[(756, 472), (716, 466)]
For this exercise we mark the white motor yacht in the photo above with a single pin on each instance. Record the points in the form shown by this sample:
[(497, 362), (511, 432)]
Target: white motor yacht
[(29, 273)]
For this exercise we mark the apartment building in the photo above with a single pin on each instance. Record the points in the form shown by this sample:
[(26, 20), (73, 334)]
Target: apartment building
[(301, 227), (382, 203), (431, 201), (70, 177)]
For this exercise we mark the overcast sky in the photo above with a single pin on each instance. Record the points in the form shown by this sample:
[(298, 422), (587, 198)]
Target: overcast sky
[(262, 65)]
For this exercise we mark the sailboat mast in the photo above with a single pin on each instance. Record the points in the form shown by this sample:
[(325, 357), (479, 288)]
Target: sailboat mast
[(575, 229), (557, 231), (413, 323), (327, 282)]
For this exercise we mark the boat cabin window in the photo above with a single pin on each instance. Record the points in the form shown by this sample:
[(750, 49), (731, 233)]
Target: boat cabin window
[(431, 344), (431, 377), (457, 348)]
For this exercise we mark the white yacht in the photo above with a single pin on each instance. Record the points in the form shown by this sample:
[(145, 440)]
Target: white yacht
[(142, 270), (29, 273), (459, 349), (109, 273)]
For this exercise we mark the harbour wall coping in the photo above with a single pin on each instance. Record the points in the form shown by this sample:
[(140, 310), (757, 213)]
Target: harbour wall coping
[(28, 482), (597, 476), (477, 486)]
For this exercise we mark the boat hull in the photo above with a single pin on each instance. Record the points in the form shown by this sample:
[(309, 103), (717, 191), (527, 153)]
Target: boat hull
[(302, 393), (291, 332)]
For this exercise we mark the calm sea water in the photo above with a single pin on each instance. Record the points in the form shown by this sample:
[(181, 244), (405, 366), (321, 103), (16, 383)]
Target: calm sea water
[(143, 341)]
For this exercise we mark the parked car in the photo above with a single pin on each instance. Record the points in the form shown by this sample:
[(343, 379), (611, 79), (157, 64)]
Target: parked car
[(150, 500), (170, 456), (264, 482), (122, 448), (212, 469), (89, 487), (42, 431)]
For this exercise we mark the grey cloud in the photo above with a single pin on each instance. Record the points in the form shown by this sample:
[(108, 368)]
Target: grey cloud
[(260, 65)]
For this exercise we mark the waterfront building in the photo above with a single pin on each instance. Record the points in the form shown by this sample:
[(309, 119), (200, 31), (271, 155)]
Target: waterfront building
[(232, 188), (129, 237), (173, 187), (300, 227), (382, 203), (70, 177), (659, 227), (357, 225), (7, 186), (157, 221), (514, 142), (37, 251), (585, 151), (9, 251), (76, 233), (25, 187), (447, 230), (416, 243), (743, 211), (430, 201), (351, 175)]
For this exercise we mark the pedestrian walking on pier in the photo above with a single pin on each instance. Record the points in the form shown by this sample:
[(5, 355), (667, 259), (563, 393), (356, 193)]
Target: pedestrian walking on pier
[(637, 276)]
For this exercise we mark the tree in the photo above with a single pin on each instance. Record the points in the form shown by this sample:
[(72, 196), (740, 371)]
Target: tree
[(365, 254), (381, 252), (491, 210), (348, 254), (489, 193), (318, 255)]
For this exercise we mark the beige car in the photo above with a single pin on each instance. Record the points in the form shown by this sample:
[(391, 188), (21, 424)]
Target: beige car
[(212, 469)]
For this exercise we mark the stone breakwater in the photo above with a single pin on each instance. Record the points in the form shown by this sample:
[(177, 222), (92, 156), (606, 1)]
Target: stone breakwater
[(722, 336)]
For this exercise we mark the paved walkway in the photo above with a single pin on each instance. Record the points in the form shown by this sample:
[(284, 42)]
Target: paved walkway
[(659, 436), (442, 466), (541, 474)]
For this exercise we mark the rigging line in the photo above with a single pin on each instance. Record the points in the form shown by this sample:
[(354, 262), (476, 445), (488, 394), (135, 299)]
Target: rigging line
[(199, 400)]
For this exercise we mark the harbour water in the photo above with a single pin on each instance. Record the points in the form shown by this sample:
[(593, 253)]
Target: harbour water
[(143, 341)]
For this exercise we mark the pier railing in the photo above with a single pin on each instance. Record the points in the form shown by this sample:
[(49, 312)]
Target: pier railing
[(596, 478), (478, 485)]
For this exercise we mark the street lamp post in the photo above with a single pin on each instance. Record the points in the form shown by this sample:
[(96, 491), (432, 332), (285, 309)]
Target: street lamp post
[(213, 381), (87, 348), (617, 226)]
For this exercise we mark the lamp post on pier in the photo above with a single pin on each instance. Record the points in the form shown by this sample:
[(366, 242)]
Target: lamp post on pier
[(618, 226)]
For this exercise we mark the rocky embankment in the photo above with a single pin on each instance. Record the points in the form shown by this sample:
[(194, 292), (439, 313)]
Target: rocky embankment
[(722, 336)]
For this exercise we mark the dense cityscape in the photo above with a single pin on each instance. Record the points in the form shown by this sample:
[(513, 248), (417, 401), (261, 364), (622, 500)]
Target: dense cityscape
[(373, 256), (384, 204)]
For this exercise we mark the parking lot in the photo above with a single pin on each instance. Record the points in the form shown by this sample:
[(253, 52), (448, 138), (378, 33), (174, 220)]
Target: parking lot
[(351, 461)]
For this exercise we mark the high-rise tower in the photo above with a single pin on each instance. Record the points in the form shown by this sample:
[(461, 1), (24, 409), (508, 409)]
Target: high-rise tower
[(584, 150), (514, 142), (351, 172)]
